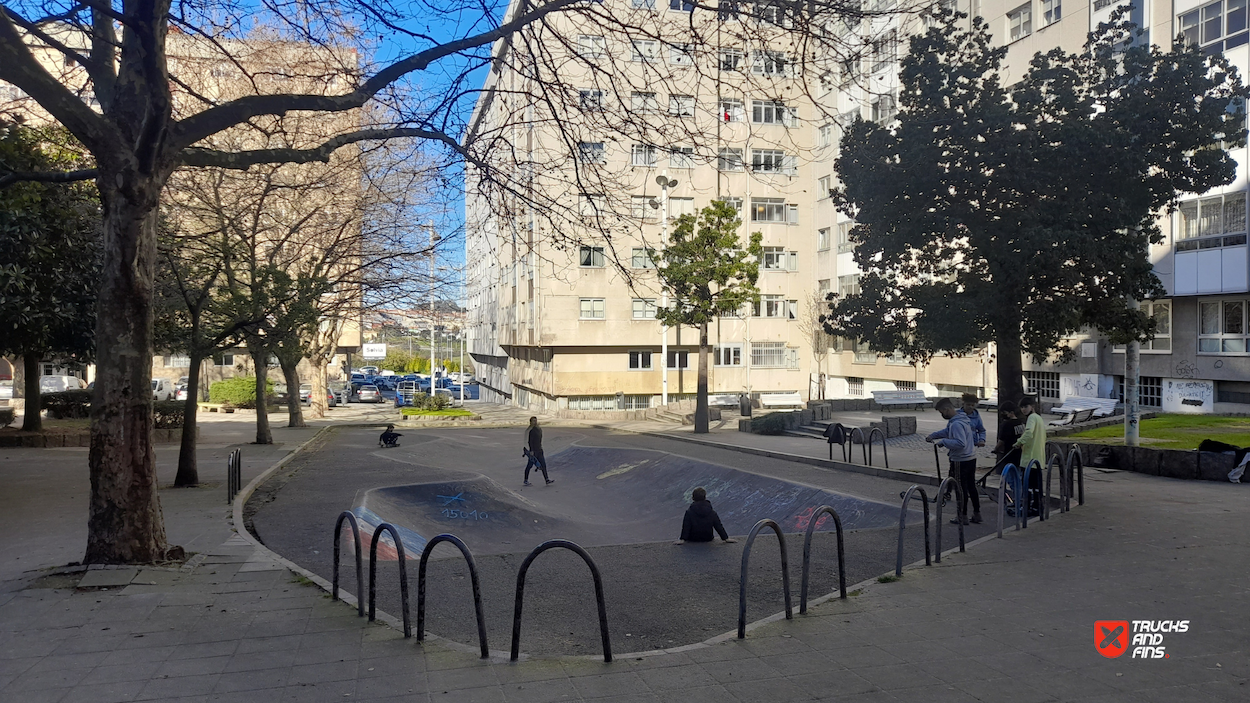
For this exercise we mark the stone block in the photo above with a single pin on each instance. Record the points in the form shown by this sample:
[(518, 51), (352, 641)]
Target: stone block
[(1214, 466), (907, 424), (33, 441), (744, 424), (1175, 463), (837, 406), (893, 426), (805, 417), (56, 440), (1143, 460)]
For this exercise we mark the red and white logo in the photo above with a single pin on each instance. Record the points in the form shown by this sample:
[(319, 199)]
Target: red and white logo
[(1111, 637)]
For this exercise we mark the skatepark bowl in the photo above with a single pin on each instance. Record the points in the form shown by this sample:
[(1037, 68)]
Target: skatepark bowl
[(624, 505)]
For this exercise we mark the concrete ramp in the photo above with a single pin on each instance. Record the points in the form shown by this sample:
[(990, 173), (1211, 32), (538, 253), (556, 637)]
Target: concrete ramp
[(602, 496)]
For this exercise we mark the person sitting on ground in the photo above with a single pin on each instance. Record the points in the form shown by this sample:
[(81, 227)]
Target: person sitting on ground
[(390, 438), (700, 520)]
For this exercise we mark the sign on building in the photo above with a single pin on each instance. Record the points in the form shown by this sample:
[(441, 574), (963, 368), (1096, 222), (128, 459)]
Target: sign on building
[(374, 351)]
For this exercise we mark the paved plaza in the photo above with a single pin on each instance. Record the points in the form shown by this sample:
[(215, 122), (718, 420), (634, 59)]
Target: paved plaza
[(1010, 619)]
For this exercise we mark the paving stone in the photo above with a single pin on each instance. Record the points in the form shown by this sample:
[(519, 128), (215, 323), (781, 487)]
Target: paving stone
[(97, 578)]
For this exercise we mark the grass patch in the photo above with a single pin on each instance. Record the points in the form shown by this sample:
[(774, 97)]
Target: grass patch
[(449, 412), (888, 578), (854, 593), (1176, 431), (51, 426)]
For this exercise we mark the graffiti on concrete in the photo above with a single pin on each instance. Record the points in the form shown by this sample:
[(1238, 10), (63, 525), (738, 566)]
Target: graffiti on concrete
[(1185, 369)]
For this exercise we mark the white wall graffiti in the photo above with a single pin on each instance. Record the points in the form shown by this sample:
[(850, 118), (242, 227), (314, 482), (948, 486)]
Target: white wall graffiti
[(1183, 396)]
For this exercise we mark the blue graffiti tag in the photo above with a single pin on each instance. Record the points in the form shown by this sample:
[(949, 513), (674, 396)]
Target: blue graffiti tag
[(448, 500)]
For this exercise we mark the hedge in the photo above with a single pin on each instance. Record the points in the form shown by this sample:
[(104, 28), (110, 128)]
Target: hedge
[(239, 392), (169, 414), (772, 423), (67, 404), (6, 416), (425, 401)]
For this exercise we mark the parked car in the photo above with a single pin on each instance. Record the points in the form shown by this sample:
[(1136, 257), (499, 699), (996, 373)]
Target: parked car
[(162, 389), (369, 393), (180, 393), (332, 399), (305, 393)]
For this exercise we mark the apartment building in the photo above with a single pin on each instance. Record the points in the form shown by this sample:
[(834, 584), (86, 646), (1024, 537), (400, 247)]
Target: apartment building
[(1199, 361), (562, 298)]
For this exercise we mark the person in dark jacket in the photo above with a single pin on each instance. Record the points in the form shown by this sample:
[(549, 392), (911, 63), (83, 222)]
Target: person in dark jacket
[(700, 520), (533, 452)]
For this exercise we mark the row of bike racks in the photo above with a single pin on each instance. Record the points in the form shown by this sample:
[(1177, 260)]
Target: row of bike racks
[(848, 452), (1070, 465), (350, 517), (234, 474)]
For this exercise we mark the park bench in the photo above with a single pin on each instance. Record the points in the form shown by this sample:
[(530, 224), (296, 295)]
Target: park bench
[(889, 399), (780, 400), (1077, 410), (722, 399)]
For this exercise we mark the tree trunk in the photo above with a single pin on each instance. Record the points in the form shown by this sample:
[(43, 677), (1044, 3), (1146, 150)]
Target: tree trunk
[(320, 388), (290, 372), (1010, 368), (32, 418), (188, 471), (261, 362), (700, 402), (124, 524)]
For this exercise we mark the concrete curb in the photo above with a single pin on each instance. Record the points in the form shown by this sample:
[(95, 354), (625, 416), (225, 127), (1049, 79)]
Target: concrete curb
[(880, 472)]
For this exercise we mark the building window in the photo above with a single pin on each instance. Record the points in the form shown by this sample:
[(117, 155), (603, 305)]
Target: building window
[(680, 206), (1217, 26), (645, 51), (732, 110), (678, 359), (176, 361), (735, 203), (774, 355), (591, 99), (1020, 22), (1211, 222), (640, 207), (643, 102), (590, 205), (223, 360), (844, 237), (591, 152), (778, 259), (681, 105), (775, 306), (591, 257), (1052, 11), (824, 187), (637, 402), (824, 136), (730, 59), (822, 239), (591, 402), (643, 4), (822, 287), (772, 161), (681, 5), (729, 159), (592, 309), (642, 155), (644, 308), (854, 386), (768, 210), (884, 50), (848, 286), (772, 112), (591, 47), (679, 55), (1161, 311), (681, 157), (773, 13), (904, 385), (770, 63), (864, 353), (1042, 384), (640, 360), (1222, 327), (884, 109), (640, 258), (727, 355)]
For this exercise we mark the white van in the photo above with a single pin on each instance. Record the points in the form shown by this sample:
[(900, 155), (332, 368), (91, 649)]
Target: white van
[(56, 384), (162, 389)]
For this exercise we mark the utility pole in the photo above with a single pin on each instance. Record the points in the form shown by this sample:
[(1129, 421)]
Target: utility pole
[(1132, 395), (433, 240)]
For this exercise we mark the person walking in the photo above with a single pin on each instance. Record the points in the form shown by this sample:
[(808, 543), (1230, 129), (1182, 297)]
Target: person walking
[(533, 452), (960, 443), (700, 520)]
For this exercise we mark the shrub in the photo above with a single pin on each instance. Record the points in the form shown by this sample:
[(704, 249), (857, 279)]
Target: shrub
[(425, 401), (772, 423), (67, 404), (239, 392), (6, 416), (169, 414)]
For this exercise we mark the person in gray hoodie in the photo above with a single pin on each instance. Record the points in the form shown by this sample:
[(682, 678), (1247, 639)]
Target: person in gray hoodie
[(960, 443)]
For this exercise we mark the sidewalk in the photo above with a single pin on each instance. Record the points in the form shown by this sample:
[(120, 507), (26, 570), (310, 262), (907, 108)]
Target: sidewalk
[(1009, 619)]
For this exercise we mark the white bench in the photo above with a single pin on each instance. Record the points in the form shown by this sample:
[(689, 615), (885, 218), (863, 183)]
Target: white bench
[(722, 399), (1078, 409), (891, 398), (780, 400)]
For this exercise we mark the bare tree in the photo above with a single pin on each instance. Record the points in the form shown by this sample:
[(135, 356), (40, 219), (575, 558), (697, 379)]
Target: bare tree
[(812, 326), (150, 66)]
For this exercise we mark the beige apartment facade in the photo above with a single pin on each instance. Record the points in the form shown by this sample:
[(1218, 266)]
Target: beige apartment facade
[(562, 315)]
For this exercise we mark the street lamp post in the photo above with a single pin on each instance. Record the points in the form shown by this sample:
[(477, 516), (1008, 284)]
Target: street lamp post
[(433, 240), (665, 183)]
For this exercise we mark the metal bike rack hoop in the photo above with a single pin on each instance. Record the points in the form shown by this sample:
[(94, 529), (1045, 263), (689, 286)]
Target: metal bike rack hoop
[(350, 517), (520, 594), (1054, 461), (742, 580), (959, 513), (477, 588), (1075, 453), (807, 553), (885, 454), (1008, 470), (403, 573), (902, 524), (863, 444)]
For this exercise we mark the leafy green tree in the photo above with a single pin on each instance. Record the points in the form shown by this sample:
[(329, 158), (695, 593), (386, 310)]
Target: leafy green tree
[(49, 258), (1021, 214), (708, 273)]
